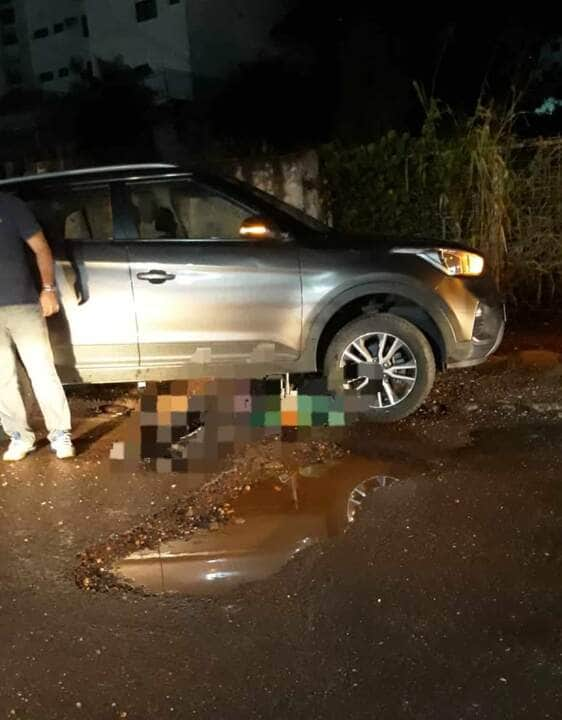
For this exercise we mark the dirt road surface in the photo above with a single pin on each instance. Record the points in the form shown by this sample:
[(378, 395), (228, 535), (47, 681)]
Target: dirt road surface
[(443, 600)]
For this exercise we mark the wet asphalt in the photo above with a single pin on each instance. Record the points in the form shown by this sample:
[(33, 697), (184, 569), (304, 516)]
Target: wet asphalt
[(443, 600)]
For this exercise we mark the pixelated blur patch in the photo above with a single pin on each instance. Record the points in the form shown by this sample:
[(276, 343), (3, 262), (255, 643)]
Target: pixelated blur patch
[(117, 451), (320, 403), (305, 403), (289, 418), (242, 403), (188, 426), (257, 419), (336, 419), (272, 418)]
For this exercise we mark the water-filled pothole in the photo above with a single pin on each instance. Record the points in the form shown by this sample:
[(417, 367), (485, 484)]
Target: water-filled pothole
[(271, 523)]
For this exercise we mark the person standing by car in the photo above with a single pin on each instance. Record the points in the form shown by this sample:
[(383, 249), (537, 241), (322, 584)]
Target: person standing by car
[(23, 328)]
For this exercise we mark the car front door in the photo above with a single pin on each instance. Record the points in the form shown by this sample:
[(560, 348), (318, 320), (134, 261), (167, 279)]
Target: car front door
[(94, 337), (204, 294)]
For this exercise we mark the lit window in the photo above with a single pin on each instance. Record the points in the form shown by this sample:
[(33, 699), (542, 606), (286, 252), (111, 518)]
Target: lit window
[(46, 77), (41, 33), (146, 10)]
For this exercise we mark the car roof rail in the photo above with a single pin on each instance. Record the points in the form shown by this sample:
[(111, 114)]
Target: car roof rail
[(87, 171)]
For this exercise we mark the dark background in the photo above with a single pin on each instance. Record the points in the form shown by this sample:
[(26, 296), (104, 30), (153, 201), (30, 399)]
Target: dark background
[(344, 71)]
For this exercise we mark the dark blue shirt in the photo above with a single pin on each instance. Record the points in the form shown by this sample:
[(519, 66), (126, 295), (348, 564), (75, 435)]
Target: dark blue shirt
[(17, 224)]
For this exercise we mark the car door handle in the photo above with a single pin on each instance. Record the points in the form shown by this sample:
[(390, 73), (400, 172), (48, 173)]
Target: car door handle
[(156, 277)]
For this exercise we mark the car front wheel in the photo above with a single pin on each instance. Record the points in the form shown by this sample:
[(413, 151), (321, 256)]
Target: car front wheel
[(385, 362)]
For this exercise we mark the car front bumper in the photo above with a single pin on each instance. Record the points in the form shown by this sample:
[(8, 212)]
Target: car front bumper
[(487, 335)]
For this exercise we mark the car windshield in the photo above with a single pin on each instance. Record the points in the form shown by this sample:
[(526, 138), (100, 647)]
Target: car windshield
[(281, 206)]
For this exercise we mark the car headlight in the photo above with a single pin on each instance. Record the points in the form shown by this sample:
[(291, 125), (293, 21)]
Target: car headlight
[(449, 260)]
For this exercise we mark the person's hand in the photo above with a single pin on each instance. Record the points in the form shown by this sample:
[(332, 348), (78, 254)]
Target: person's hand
[(49, 303)]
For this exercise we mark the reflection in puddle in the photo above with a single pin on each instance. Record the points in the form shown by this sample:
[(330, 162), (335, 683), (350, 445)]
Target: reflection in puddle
[(271, 524)]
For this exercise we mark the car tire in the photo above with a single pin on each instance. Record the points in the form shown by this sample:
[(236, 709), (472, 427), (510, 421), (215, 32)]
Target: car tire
[(418, 350)]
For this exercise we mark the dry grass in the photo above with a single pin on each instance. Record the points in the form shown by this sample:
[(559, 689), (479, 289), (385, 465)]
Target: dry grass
[(534, 262)]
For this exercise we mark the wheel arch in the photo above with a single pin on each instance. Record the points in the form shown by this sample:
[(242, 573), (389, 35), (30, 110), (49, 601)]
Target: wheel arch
[(422, 309)]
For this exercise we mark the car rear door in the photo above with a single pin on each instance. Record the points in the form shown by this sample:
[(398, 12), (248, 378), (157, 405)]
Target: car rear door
[(94, 337), (204, 294)]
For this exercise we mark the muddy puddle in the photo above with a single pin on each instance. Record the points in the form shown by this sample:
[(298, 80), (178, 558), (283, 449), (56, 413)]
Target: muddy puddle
[(269, 525)]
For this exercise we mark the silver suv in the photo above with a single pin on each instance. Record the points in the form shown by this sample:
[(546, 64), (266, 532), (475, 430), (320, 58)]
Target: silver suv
[(167, 274)]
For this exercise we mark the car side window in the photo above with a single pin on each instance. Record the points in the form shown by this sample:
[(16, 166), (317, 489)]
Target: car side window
[(81, 214), (185, 210)]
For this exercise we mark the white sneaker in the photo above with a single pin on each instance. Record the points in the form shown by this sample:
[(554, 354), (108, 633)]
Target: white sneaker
[(61, 444), (18, 448)]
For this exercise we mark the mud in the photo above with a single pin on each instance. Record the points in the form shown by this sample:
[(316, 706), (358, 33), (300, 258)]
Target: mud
[(263, 529)]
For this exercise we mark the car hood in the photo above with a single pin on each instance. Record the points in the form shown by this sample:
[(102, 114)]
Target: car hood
[(376, 243)]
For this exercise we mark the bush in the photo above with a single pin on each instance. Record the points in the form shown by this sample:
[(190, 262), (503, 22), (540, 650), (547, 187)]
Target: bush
[(468, 181)]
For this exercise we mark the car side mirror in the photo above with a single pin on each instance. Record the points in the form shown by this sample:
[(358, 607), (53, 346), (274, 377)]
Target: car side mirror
[(258, 227)]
